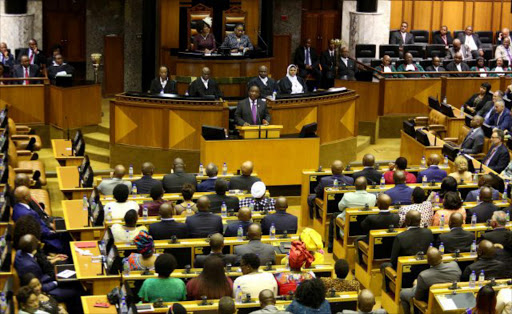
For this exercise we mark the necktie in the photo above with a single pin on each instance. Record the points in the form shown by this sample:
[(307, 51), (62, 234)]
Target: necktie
[(488, 160), (444, 39), (26, 75), (254, 110), (307, 56), (31, 57)]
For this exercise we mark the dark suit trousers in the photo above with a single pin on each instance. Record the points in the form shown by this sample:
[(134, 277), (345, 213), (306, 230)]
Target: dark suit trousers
[(315, 72)]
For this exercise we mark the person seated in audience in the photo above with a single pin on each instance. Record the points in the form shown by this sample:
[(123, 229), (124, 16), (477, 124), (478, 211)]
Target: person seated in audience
[(26, 70), (145, 257), (203, 223), (420, 204), (253, 281), (438, 272), (244, 181), (208, 185), (252, 110), (244, 221), (499, 68), (487, 262), (34, 54), (485, 209), (268, 303), (292, 83), (402, 37), (106, 187), (451, 204), (435, 67), (499, 233), (365, 304), (347, 67), (443, 37), (59, 68), (384, 219), (486, 110), (6, 58), (145, 183), (328, 181), (504, 50), (216, 247), (187, 207), (46, 302), (476, 102), (299, 256), (458, 47), (266, 84), (227, 306), (130, 230), (265, 252), (461, 173), (164, 287), (480, 67), (458, 238), (281, 220), (473, 143), (122, 205), (432, 173), (55, 50), (485, 301), (204, 86), (386, 67), (360, 198), (472, 41), (340, 283), (410, 66), (220, 197), (504, 301), (167, 226), (505, 33), (413, 240), (212, 282), (22, 179), (507, 172), (173, 182), (204, 41), (308, 62), (258, 201), (498, 157), (3, 74), (449, 184), (371, 174), (400, 193), (309, 298), (28, 302), (156, 193), (485, 180), (458, 66), (314, 243), (237, 41), (401, 165)]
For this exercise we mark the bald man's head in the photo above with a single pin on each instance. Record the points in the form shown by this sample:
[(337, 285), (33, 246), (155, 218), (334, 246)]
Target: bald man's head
[(119, 171), (337, 167), (267, 298), (434, 257), (361, 183), (254, 232), (368, 160), (433, 160), (365, 301), (486, 194), (244, 214), (147, 169), (203, 204), (28, 243), (22, 194), (281, 203), (413, 218), (456, 220), (216, 242), (486, 179), (384, 201), (22, 179), (486, 249), (247, 168), (399, 177), (178, 165), (166, 210)]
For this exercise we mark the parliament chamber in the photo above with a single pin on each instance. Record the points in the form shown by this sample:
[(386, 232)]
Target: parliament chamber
[(255, 156)]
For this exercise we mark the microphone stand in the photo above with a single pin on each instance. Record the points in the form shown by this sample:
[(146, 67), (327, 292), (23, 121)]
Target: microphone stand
[(258, 118)]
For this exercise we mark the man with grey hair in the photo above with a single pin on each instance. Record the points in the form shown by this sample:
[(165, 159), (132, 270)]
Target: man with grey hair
[(486, 110), (208, 185), (500, 117), (499, 233)]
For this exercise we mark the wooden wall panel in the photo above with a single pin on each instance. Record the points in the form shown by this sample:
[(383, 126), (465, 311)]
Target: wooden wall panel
[(170, 23), (407, 12), (253, 22), (282, 58), (482, 20), (422, 15), (396, 14), (453, 14), (436, 15)]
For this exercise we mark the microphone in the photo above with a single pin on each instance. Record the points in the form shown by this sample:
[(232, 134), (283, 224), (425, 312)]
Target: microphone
[(263, 41), (258, 118)]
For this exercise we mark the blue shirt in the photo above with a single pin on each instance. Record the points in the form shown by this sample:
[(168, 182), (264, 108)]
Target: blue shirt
[(297, 308), (401, 193), (433, 173)]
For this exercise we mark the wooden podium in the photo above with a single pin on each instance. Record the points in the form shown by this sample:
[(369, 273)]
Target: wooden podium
[(260, 131)]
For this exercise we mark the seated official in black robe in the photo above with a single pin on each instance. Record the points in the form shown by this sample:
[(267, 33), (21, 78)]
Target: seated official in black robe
[(266, 84), (204, 86), (163, 84)]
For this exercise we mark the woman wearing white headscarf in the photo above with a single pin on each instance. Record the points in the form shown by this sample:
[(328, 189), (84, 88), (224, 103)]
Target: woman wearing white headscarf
[(292, 83)]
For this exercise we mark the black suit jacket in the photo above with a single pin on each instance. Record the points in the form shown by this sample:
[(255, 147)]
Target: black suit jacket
[(431, 68), (500, 159), (226, 258), (347, 71), (265, 90), (173, 182), (328, 64), (300, 57), (197, 88), (452, 67), (165, 229), (410, 242), (156, 87), (437, 40), (243, 112), (285, 86), (396, 39), (456, 239), (243, 183), (476, 38), (232, 228), (216, 202), (281, 220), (145, 183), (39, 58), (473, 143), (483, 212), (499, 235), (54, 69), (202, 224), (491, 267), (372, 176), (380, 221), (33, 71)]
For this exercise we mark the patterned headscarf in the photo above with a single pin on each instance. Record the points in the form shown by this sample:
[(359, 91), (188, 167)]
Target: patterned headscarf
[(299, 255), (144, 243)]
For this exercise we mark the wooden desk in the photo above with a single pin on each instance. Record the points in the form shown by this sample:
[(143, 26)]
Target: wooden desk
[(280, 160), (459, 89), (413, 150), (62, 152), (76, 221), (27, 102), (68, 179), (140, 198), (88, 271), (407, 95), (75, 107)]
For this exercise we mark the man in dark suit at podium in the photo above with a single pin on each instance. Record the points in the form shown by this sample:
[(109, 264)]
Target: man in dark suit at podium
[(204, 86), (266, 84), (252, 110)]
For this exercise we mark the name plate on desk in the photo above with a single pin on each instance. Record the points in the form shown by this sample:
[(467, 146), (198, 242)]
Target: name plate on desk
[(260, 131)]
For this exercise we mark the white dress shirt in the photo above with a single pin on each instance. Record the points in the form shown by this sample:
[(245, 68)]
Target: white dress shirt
[(482, 74), (264, 80), (410, 67), (345, 60), (496, 69), (404, 36), (387, 69), (459, 68), (163, 83), (470, 42), (205, 82)]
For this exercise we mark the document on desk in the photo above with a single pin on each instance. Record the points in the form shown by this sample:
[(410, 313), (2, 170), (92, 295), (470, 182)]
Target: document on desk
[(66, 273), (456, 301)]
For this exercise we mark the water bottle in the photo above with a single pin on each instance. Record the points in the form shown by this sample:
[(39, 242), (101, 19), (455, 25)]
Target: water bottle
[(423, 162), (109, 215), (382, 182), (3, 303), (473, 248), (145, 212), (127, 237), (224, 169), (481, 279), (462, 112), (274, 95), (102, 246), (85, 203), (472, 279), (446, 161), (223, 210), (130, 172), (201, 169), (473, 220), (445, 101), (475, 177), (287, 261), (134, 190), (424, 180), (238, 295), (436, 198), (336, 184), (478, 199), (2, 197), (2, 163), (508, 217), (124, 308), (441, 248), (441, 222), (273, 231), (189, 209), (251, 205), (126, 268), (504, 195), (240, 233)]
